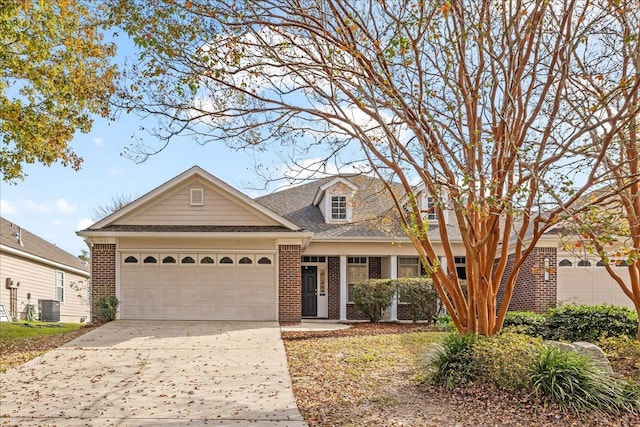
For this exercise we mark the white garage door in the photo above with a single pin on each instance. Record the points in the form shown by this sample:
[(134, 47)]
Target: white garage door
[(158, 286), (583, 281)]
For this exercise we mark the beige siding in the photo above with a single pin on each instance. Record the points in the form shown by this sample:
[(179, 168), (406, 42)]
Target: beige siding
[(173, 208), (40, 281), (196, 244), (369, 249)]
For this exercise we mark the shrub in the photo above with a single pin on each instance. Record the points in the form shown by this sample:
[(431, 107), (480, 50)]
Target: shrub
[(452, 362), (577, 384), (372, 297), (504, 360), (590, 323), (526, 322), (445, 323), (624, 354), (421, 295), (107, 308)]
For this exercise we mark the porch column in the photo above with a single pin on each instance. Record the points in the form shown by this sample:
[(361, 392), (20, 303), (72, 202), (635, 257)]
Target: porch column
[(344, 290), (393, 274)]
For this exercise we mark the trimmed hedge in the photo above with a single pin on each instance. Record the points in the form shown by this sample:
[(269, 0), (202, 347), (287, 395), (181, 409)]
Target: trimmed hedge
[(526, 322), (373, 297), (421, 295), (575, 322), (590, 323)]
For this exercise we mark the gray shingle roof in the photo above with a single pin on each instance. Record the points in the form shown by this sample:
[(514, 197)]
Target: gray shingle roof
[(196, 229), (374, 212), (371, 203), (34, 245)]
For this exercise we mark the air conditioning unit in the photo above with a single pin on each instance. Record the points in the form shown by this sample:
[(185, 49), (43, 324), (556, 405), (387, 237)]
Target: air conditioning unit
[(49, 310)]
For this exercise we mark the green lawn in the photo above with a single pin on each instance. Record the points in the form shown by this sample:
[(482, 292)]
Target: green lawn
[(21, 342), (12, 331)]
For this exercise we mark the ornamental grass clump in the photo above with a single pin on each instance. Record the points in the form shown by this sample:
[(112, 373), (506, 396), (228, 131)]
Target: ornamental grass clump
[(452, 362), (575, 383)]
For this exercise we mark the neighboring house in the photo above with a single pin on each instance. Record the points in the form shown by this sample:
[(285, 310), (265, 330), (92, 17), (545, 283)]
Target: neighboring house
[(37, 275), (195, 248)]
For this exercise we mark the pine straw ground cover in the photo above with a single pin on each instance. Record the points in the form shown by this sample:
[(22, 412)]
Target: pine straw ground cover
[(369, 376)]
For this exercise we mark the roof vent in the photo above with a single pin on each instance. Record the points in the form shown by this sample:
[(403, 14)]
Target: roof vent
[(197, 196), (18, 235)]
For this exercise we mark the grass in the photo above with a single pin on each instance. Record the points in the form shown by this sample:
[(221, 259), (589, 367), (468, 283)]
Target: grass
[(23, 341), (20, 330)]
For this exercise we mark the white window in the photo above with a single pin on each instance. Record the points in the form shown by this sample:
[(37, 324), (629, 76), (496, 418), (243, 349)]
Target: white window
[(196, 196), (408, 267), (339, 208), (357, 272), (430, 208), (131, 259), (60, 286), (461, 267)]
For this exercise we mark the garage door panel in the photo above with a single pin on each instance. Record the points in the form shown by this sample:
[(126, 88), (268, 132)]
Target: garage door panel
[(198, 292), (590, 286)]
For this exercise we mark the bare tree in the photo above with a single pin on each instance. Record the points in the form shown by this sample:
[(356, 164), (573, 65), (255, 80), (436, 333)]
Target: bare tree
[(488, 104), (117, 202)]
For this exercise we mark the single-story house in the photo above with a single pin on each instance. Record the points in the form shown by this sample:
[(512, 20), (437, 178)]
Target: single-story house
[(196, 248), (39, 280)]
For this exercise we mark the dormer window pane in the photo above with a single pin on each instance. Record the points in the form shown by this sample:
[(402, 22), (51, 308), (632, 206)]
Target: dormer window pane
[(430, 208), (338, 207)]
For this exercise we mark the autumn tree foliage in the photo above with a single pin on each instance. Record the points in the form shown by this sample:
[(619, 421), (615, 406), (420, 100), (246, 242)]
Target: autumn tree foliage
[(489, 105), (55, 76)]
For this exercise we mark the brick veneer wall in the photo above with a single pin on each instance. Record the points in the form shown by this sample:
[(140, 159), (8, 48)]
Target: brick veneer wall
[(531, 291), (333, 287), (289, 283), (103, 273)]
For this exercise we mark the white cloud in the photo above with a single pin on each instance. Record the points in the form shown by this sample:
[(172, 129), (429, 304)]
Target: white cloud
[(63, 206), (98, 141), (7, 208), (57, 223), (84, 223), (35, 207)]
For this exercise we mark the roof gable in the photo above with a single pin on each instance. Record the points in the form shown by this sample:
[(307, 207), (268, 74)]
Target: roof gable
[(171, 204)]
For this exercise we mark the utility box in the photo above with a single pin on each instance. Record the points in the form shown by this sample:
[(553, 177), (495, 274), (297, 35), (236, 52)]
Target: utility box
[(49, 310)]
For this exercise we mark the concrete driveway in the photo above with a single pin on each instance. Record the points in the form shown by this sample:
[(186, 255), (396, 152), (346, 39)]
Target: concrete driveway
[(141, 373)]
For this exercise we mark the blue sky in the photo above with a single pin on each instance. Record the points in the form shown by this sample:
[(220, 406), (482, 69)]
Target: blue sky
[(54, 202)]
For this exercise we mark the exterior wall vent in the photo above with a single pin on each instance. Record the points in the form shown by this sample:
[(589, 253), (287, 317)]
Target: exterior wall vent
[(196, 196)]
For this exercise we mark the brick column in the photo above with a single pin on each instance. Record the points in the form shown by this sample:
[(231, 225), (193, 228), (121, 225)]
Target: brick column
[(532, 292), (289, 283), (103, 272), (333, 286)]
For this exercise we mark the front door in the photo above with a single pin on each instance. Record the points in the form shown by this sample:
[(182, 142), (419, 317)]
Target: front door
[(309, 291)]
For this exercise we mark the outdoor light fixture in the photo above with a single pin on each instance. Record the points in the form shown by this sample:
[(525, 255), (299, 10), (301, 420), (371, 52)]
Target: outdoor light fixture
[(547, 270)]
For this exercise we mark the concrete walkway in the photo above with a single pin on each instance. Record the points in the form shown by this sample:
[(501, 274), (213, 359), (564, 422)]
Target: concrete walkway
[(141, 373)]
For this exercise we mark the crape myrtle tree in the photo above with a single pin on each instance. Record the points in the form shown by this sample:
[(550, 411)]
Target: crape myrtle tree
[(608, 226), (488, 105), (55, 77)]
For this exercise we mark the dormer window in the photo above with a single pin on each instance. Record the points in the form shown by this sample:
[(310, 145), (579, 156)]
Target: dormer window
[(335, 200), (339, 208), (430, 208)]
